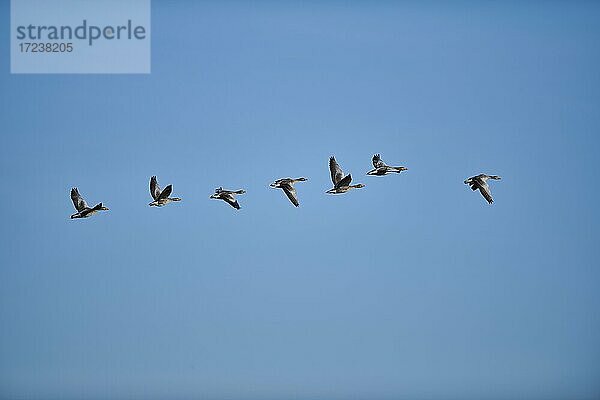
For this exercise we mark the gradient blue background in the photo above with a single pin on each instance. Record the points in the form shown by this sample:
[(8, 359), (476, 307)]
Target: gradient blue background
[(413, 287)]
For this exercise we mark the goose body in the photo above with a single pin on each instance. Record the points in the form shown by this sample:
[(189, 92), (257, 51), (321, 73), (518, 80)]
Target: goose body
[(341, 183), (381, 168), (83, 210), (480, 182), (161, 197), (287, 185), (228, 196)]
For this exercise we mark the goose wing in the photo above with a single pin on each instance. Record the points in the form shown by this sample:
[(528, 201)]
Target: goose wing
[(346, 181), (78, 201), (290, 192), (377, 161), (154, 188), (230, 199), (165, 193), (484, 188), (336, 172), (224, 191), (473, 182)]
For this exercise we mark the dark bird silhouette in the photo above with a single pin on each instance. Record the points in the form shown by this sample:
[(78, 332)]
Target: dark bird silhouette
[(287, 185), (228, 196), (341, 183), (83, 211), (480, 182), (161, 197), (382, 168)]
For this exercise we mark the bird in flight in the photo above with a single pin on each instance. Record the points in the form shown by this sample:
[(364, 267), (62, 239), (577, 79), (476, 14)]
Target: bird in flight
[(161, 197), (480, 182), (83, 210), (228, 196), (341, 183), (382, 168), (287, 185)]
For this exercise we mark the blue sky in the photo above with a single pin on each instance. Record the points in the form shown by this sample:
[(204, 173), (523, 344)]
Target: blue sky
[(413, 287)]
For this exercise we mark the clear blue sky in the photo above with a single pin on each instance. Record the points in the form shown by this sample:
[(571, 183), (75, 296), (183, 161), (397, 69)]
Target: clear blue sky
[(413, 287)]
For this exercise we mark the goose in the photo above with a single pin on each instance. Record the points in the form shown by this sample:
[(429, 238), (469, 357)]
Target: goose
[(228, 196), (341, 183), (287, 185), (382, 169), (161, 197), (83, 211), (480, 182)]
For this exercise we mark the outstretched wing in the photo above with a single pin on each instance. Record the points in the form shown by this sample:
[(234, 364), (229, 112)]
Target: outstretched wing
[(220, 190), (282, 181), (165, 193), (336, 172), (78, 201), (484, 188), (154, 188), (290, 192), (230, 199), (345, 182), (377, 162), (473, 182)]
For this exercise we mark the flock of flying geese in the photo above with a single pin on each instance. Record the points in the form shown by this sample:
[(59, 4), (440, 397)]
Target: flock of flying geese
[(341, 184)]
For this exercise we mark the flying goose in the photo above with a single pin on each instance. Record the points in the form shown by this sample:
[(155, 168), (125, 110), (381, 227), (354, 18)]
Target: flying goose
[(341, 183), (228, 196), (480, 182), (287, 185), (161, 197), (382, 169), (83, 211)]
